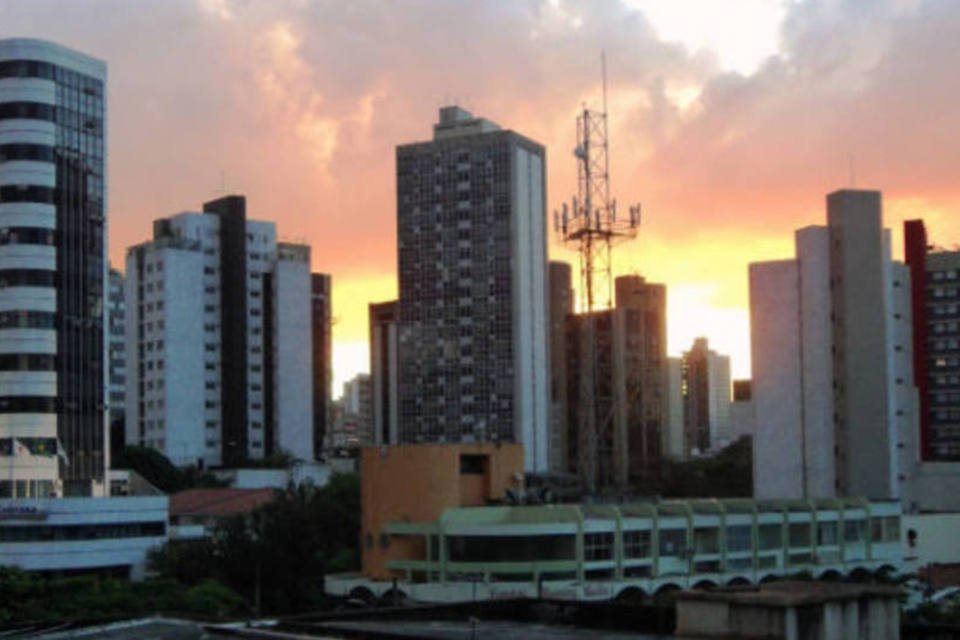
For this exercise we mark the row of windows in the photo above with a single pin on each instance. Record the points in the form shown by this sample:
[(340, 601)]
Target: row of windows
[(35, 533), (27, 235), (27, 278), (48, 71), (27, 193), (28, 320), (28, 362), (32, 110), (22, 151), (27, 404)]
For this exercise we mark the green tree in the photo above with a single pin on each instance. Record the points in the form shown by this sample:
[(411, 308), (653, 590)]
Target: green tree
[(729, 474)]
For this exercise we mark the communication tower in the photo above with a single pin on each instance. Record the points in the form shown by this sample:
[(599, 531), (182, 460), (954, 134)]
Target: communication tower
[(590, 220)]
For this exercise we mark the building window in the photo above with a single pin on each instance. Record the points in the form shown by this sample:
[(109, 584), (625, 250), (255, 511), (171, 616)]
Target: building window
[(739, 538), (636, 544), (597, 546)]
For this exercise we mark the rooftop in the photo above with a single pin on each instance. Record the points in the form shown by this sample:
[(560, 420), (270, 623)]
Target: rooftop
[(219, 502)]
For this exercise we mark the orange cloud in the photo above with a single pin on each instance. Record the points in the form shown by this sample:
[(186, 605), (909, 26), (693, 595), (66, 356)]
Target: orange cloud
[(300, 105)]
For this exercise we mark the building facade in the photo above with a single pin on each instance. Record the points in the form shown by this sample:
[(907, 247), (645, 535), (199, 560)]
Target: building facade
[(218, 313), (321, 305), (930, 455), (607, 551), (616, 374), (53, 401), (116, 355), (562, 433), (824, 426), (473, 347), (384, 383), (353, 424), (706, 399)]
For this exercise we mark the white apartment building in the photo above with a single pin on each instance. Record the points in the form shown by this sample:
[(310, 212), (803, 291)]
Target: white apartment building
[(55, 316), (219, 364), (832, 359)]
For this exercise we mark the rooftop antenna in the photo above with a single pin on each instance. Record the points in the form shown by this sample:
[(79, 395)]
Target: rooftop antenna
[(853, 173), (591, 221)]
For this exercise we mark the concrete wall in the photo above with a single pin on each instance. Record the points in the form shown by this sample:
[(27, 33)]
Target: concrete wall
[(293, 363), (415, 483), (531, 348), (816, 341), (778, 470), (936, 539), (860, 337)]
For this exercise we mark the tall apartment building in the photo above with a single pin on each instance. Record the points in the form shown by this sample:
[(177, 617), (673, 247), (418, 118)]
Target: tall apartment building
[(832, 380), (561, 308), (473, 347), (52, 271), (321, 305), (644, 305), (706, 399), (616, 376), (116, 355), (930, 456), (384, 383), (218, 317)]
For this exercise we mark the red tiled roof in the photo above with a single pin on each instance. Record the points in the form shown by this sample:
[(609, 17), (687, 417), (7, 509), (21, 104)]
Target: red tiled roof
[(218, 502)]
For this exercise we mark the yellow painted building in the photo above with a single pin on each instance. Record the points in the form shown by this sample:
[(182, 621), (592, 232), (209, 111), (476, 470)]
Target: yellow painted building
[(415, 483)]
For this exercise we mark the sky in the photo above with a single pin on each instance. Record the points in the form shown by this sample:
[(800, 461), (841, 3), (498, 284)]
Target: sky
[(729, 122)]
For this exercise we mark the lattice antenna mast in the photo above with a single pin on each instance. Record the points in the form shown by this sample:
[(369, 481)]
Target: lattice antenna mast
[(590, 221)]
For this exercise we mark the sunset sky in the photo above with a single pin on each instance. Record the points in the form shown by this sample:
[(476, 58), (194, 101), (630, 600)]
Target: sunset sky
[(729, 121)]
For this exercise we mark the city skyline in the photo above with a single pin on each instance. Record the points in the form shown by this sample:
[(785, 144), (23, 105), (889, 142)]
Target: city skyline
[(311, 140)]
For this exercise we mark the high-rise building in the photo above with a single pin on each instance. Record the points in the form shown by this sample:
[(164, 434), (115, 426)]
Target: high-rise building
[(384, 383), (832, 380), (473, 347), (218, 313), (936, 340), (116, 355), (706, 399), (644, 306), (321, 302), (930, 456), (561, 308), (56, 314), (52, 271), (616, 377)]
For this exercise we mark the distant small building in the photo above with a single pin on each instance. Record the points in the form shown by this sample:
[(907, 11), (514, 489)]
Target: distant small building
[(194, 513), (706, 399), (742, 418)]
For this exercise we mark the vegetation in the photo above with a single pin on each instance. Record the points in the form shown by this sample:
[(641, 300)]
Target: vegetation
[(157, 469), (725, 475), (282, 550), (285, 547), (30, 597)]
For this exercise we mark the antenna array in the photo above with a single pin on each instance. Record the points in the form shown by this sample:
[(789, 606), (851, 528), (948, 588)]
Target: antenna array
[(591, 220)]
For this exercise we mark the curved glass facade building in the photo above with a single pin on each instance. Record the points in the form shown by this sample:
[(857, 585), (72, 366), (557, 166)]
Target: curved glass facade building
[(52, 271)]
